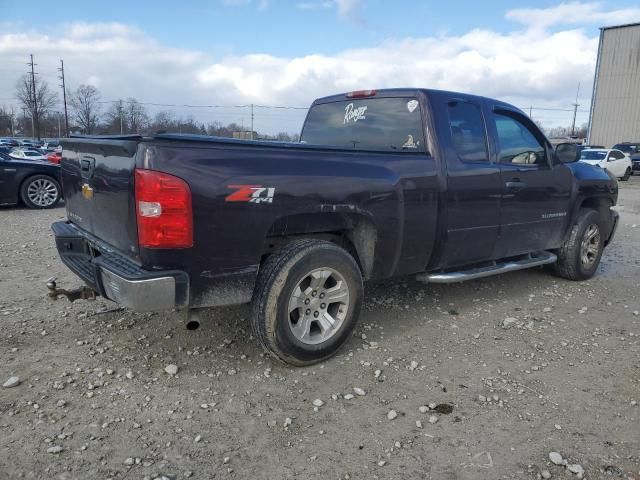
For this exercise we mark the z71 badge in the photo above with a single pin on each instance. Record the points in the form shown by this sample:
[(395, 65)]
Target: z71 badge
[(251, 194)]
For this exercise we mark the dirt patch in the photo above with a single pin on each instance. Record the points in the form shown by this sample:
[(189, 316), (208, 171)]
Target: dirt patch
[(95, 401)]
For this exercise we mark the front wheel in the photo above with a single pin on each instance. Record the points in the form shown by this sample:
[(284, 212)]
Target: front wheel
[(579, 256), (626, 175), (307, 301), (40, 191)]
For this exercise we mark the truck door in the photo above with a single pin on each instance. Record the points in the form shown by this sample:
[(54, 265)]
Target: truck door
[(536, 189), (473, 185)]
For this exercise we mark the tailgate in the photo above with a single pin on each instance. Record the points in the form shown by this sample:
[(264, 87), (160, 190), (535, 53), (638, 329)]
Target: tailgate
[(98, 186)]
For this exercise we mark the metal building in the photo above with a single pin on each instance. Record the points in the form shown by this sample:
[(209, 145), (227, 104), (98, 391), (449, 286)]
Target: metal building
[(615, 104)]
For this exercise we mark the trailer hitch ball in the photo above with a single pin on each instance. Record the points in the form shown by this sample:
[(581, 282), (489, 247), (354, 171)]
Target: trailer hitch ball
[(81, 293)]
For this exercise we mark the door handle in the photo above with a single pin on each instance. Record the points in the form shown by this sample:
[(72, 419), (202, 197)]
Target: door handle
[(516, 184)]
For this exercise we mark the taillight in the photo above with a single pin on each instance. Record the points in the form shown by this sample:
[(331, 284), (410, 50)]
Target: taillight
[(163, 210), (361, 94)]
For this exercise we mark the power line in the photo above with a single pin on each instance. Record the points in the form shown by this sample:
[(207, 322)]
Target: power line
[(177, 105)]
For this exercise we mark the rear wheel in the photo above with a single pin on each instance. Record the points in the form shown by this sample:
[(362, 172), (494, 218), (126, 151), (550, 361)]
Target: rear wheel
[(579, 256), (307, 301), (40, 191), (626, 175)]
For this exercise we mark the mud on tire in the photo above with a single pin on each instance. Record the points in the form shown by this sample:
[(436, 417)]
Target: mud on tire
[(579, 256), (300, 290)]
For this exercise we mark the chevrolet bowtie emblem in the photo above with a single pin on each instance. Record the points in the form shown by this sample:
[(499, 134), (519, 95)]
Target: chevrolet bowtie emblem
[(87, 191)]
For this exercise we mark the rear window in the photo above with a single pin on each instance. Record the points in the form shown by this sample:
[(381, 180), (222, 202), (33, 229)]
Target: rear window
[(379, 124)]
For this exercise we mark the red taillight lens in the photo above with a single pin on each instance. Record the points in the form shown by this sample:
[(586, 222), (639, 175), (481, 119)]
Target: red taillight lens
[(163, 210), (361, 94)]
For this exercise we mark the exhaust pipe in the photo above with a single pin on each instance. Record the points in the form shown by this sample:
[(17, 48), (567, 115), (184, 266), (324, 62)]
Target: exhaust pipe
[(193, 320)]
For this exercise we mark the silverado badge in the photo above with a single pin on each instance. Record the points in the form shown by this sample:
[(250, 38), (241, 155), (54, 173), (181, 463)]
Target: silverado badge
[(87, 191)]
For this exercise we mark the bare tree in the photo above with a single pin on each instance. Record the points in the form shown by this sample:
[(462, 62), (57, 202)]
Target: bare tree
[(136, 116), (86, 107), (116, 118), (46, 99)]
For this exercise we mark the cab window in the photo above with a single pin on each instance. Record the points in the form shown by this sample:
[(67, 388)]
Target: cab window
[(467, 132), (517, 143)]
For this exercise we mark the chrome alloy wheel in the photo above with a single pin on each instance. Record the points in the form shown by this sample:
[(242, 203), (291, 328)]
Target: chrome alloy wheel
[(42, 192), (590, 245), (318, 306)]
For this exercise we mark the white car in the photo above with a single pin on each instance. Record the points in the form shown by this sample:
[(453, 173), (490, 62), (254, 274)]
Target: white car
[(610, 159), (27, 155)]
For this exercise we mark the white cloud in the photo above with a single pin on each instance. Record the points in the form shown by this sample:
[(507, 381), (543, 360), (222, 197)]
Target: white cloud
[(347, 8), (531, 66), (314, 5), (573, 13)]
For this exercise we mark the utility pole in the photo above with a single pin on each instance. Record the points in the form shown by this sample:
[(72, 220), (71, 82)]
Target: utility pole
[(530, 111), (121, 112), (64, 97), (34, 113), (575, 111), (13, 130), (59, 134), (252, 122)]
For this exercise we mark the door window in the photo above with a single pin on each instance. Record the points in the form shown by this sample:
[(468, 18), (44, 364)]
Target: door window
[(517, 143), (467, 132)]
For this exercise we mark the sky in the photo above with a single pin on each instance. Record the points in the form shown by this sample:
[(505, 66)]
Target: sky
[(286, 53)]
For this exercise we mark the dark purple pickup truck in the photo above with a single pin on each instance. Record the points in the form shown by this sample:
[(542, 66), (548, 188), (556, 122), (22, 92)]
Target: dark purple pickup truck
[(442, 185)]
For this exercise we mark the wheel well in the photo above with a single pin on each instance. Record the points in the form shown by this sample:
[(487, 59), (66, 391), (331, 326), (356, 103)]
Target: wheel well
[(353, 232), (600, 205)]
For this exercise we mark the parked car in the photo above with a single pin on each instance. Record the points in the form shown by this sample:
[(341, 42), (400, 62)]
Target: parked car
[(610, 159), (35, 184), (54, 157), (629, 148), (441, 185), (27, 154), (635, 163)]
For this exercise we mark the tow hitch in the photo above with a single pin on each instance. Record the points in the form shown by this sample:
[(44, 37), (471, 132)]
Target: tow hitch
[(82, 293)]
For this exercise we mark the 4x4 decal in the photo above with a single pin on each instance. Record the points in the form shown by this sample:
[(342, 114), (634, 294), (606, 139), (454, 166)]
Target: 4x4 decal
[(251, 194)]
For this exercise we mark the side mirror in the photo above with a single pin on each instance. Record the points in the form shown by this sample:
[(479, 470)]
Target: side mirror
[(567, 152)]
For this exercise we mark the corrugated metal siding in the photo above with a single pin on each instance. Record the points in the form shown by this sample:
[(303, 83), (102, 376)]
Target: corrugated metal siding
[(616, 110)]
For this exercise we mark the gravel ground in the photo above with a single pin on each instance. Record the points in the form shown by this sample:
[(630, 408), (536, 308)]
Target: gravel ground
[(514, 367)]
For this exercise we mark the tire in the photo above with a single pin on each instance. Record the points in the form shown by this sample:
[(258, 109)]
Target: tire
[(295, 331), (626, 176), (40, 191), (582, 242)]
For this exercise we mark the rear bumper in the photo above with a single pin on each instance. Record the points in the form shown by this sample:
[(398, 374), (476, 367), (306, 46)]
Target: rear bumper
[(118, 277)]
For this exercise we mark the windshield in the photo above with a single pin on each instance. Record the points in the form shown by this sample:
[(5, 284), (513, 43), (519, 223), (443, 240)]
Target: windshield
[(32, 154), (627, 147), (593, 155), (382, 124)]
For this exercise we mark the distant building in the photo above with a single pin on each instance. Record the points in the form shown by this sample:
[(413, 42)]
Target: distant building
[(615, 104), (246, 135)]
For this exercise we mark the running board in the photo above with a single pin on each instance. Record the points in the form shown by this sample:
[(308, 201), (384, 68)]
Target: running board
[(528, 261)]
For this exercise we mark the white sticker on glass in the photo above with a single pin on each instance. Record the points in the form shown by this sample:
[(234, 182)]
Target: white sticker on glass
[(410, 143), (412, 105), (352, 114)]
